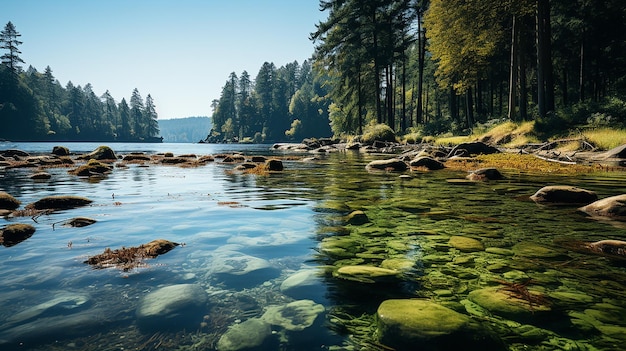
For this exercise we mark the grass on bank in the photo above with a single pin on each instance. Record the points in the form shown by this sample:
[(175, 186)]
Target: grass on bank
[(605, 138)]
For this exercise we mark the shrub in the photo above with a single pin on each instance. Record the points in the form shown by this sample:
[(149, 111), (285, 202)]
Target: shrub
[(378, 132)]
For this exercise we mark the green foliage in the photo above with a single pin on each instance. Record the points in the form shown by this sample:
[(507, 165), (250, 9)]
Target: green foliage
[(378, 132)]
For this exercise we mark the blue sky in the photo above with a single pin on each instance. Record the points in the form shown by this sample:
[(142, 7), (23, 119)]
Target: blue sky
[(181, 52)]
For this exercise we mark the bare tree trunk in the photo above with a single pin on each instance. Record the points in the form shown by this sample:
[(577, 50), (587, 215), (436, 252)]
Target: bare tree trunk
[(513, 70)]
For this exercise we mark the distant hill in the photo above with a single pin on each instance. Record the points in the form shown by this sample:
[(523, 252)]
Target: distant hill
[(184, 130)]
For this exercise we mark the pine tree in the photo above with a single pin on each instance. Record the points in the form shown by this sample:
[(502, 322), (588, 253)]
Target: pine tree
[(9, 41)]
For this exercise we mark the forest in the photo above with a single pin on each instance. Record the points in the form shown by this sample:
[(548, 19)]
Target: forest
[(426, 67), (34, 106), (434, 67)]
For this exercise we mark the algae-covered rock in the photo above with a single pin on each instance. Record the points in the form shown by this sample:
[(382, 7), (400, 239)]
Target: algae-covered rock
[(128, 258), (15, 233), (563, 195), (613, 207), (415, 322), (365, 274), (534, 250), (465, 244), (8, 202), (248, 335), (92, 167), (295, 316), (499, 301), (100, 153), (60, 202), (173, 306)]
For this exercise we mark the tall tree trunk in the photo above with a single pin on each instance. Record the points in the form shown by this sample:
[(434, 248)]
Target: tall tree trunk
[(469, 108), (454, 109), (581, 80), (403, 125), (545, 79), (521, 54), (421, 48), (513, 70), (377, 70)]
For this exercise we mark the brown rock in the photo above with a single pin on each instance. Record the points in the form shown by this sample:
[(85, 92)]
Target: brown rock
[(563, 195)]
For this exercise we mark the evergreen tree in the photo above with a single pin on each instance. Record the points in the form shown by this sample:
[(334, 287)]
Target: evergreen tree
[(124, 128), (9, 41), (150, 116), (136, 115)]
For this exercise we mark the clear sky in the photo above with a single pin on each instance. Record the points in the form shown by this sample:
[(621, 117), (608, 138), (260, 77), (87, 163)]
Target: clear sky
[(178, 51)]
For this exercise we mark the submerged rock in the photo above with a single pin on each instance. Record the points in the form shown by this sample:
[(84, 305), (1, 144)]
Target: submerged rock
[(80, 222), (563, 195), (365, 274), (172, 307), (294, 316), (8, 202), (40, 176), (238, 270), (393, 165), (248, 335), (61, 202), (613, 207), (465, 244), (402, 323), (304, 284), (15, 233), (499, 301)]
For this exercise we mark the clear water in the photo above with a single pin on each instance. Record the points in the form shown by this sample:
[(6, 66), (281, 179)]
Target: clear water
[(291, 221)]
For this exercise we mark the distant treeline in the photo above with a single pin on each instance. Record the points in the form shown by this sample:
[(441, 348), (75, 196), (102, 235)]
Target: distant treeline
[(285, 103), (184, 130), (34, 105)]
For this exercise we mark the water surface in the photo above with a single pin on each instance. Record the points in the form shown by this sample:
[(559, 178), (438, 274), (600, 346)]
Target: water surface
[(293, 222)]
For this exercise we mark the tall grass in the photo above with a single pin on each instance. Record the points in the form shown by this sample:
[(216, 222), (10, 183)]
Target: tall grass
[(606, 138)]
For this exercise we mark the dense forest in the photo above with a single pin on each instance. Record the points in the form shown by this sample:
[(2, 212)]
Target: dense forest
[(184, 130), (34, 105), (419, 66), (439, 66)]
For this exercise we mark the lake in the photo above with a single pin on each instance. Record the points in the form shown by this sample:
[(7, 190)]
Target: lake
[(282, 261)]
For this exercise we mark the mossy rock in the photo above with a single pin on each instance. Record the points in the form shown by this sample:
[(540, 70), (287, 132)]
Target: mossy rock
[(15, 233), (564, 195), (61, 202), (465, 244), (60, 151), (295, 316), (366, 274), (100, 153), (248, 335), (533, 250), (404, 323), (499, 301), (92, 167), (8, 202)]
